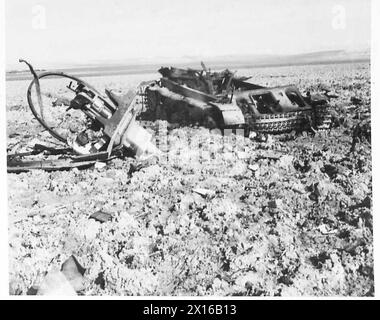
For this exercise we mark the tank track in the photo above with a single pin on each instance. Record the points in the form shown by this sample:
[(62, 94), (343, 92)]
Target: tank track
[(322, 117), (318, 119)]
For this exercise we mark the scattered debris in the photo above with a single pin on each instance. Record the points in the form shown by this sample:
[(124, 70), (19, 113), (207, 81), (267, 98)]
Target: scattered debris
[(356, 100), (100, 165), (269, 155), (204, 192), (61, 101), (32, 291), (74, 272), (275, 204), (39, 148), (254, 167), (114, 116), (252, 135), (47, 165), (325, 230), (298, 188), (65, 282), (101, 216), (55, 283)]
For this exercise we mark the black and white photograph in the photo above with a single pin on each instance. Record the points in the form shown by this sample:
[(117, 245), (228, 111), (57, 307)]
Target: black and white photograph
[(205, 149)]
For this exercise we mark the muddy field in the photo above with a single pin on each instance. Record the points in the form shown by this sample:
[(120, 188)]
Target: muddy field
[(284, 216)]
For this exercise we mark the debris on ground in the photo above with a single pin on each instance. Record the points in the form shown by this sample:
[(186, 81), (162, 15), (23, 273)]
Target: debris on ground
[(74, 272), (113, 116), (56, 284), (101, 216), (297, 224), (67, 281), (204, 192)]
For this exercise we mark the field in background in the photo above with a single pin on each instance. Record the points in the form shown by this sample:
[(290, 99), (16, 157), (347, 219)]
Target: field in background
[(144, 66)]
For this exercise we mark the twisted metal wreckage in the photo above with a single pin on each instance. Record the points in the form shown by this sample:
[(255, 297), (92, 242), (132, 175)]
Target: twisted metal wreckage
[(212, 99)]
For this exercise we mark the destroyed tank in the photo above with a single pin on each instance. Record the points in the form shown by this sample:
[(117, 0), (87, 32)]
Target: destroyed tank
[(222, 100)]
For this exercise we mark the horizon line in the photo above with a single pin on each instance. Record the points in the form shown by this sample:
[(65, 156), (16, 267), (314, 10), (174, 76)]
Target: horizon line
[(141, 61)]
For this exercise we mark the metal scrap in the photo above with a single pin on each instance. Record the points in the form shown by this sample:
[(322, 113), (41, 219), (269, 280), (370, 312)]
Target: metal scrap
[(101, 216), (47, 165), (114, 116)]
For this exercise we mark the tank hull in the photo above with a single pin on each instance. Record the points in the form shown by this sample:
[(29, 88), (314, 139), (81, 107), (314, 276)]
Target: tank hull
[(223, 101)]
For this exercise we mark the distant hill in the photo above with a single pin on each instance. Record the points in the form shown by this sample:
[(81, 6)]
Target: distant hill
[(336, 56), (135, 66)]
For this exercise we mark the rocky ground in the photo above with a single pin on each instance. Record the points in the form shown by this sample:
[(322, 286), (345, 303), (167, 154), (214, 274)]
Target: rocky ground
[(215, 215)]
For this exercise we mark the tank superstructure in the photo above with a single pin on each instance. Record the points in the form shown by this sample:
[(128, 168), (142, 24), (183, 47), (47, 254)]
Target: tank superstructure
[(223, 100)]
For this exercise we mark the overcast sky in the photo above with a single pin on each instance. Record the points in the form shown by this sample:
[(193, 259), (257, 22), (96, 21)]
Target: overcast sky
[(59, 32)]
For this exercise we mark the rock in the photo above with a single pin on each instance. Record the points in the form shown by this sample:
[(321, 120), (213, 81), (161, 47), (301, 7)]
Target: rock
[(216, 283), (334, 258), (299, 188), (248, 279), (15, 288), (320, 190), (330, 170), (286, 161), (276, 204), (100, 165), (269, 139), (204, 192), (61, 101), (252, 135), (32, 291), (324, 229), (253, 167), (74, 272), (56, 284), (101, 216), (262, 137)]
